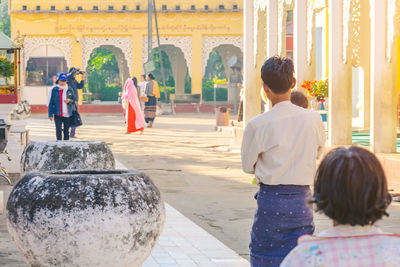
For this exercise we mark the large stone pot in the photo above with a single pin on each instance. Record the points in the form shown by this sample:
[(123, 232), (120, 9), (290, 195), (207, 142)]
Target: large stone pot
[(69, 155), (85, 218)]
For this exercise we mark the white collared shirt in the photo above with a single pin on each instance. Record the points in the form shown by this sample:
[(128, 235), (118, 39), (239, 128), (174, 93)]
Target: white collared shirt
[(281, 146), (64, 105)]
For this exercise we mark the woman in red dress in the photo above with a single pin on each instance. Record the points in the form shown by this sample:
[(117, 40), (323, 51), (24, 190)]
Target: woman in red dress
[(133, 114)]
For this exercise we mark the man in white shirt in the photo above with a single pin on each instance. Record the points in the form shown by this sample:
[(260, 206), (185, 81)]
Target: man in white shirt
[(280, 147), (142, 89)]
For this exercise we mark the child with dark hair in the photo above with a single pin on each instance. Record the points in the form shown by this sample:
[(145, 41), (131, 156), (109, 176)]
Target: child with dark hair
[(281, 147), (351, 189), (299, 99)]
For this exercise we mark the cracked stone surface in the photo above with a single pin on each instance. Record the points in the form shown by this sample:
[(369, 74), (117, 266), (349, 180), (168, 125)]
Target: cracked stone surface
[(85, 218), (61, 155)]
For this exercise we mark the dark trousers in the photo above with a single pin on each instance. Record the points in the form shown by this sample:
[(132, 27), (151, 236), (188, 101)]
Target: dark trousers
[(60, 122), (73, 131)]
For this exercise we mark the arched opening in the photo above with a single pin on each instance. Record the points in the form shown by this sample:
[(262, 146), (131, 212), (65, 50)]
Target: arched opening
[(218, 67), (177, 78), (44, 63), (107, 70)]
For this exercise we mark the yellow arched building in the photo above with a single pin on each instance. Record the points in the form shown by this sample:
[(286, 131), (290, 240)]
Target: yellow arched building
[(59, 34)]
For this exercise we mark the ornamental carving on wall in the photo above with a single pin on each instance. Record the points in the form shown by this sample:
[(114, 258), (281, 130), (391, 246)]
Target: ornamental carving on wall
[(283, 7), (393, 26), (210, 43), (351, 32), (30, 44), (62, 43), (91, 43), (259, 6), (183, 43)]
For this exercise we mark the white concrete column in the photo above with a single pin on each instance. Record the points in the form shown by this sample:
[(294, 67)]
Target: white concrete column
[(272, 28), (383, 90), (301, 69), (340, 83), (252, 100), (365, 50)]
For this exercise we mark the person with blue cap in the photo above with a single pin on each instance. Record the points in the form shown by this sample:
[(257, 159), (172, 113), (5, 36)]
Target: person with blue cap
[(60, 106)]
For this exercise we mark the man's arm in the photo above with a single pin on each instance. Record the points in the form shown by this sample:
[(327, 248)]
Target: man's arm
[(250, 150), (50, 106), (81, 84), (321, 137)]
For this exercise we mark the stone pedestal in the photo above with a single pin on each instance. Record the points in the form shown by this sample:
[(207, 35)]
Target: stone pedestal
[(85, 218), (66, 155)]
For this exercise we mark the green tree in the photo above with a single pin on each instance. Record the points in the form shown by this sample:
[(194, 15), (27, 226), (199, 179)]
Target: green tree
[(169, 76), (215, 69), (5, 25), (103, 75)]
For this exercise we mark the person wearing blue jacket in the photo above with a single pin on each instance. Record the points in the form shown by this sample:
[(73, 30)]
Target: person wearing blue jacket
[(60, 106)]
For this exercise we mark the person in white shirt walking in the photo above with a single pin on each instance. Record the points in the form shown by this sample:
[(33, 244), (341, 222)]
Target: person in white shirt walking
[(141, 89), (281, 147)]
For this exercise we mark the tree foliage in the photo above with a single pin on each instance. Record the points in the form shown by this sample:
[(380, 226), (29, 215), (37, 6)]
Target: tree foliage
[(215, 70), (103, 75), (169, 75), (5, 25), (215, 67)]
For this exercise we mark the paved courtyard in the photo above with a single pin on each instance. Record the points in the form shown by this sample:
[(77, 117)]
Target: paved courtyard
[(191, 165)]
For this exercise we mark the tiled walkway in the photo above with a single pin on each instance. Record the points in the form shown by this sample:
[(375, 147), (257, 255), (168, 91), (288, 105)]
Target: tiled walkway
[(185, 244)]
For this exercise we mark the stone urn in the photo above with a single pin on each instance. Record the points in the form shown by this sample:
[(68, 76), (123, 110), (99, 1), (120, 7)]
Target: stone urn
[(85, 218), (66, 155)]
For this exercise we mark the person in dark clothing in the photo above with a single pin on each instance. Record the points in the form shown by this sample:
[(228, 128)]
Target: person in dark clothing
[(60, 106), (75, 85)]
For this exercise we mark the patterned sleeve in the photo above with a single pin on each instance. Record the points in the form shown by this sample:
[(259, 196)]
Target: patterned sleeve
[(297, 257)]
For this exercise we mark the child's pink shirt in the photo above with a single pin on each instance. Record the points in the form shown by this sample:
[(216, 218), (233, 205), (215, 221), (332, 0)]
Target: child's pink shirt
[(346, 246)]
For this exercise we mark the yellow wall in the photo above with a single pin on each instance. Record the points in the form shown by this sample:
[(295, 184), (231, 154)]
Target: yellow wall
[(78, 25)]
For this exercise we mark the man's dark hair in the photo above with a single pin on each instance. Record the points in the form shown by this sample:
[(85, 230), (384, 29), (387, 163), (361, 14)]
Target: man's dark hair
[(351, 187), (277, 73), (151, 76), (299, 99), (134, 79)]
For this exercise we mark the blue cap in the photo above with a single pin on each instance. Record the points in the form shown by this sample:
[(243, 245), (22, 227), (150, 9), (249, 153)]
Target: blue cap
[(62, 77)]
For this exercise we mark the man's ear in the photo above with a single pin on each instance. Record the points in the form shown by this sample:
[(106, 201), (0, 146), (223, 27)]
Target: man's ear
[(294, 83), (266, 88)]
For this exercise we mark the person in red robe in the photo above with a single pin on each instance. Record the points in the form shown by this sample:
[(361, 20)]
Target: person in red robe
[(133, 114)]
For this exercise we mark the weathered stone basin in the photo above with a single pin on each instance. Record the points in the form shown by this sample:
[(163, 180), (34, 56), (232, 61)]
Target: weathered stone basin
[(85, 218), (69, 155)]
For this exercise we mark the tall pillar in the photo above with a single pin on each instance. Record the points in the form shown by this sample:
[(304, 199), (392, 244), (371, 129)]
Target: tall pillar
[(252, 98), (197, 64), (76, 52), (180, 75), (340, 83), (137, 60), (365, 58), (272, 28), (261, 49), (383, 89), (303, 70)]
